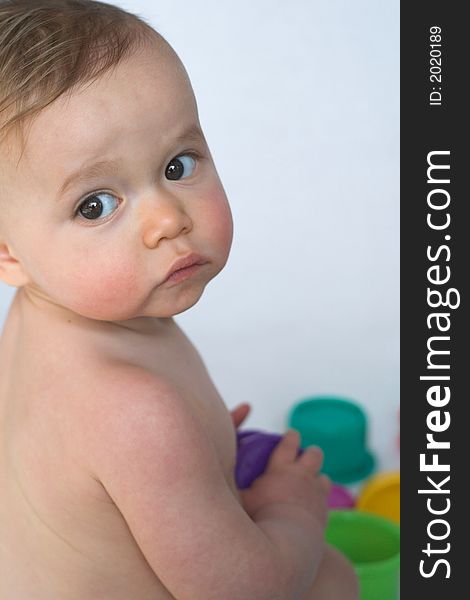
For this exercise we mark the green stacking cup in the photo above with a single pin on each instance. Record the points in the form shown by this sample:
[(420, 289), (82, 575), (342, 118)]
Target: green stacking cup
[(372, 544), (339, 427)]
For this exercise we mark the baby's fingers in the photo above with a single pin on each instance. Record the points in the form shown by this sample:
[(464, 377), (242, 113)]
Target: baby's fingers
[(325, 482), (286, 450), (311, 459)]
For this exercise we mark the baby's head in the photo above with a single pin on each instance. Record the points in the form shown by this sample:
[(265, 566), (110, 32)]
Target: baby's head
[(106, 180)]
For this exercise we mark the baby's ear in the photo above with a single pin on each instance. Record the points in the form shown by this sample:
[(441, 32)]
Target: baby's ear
[(11, 270)]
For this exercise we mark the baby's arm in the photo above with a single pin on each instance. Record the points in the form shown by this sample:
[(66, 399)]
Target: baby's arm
[(161, 469)]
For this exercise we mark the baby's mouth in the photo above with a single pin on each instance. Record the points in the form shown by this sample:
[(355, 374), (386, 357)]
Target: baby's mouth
[(184, 268)]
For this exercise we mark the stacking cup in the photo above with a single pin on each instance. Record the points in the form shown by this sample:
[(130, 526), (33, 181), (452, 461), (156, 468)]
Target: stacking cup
[(339, 427), (372, 544)]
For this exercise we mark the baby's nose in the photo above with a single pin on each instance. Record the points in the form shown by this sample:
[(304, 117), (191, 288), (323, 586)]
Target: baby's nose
[(164, 217)]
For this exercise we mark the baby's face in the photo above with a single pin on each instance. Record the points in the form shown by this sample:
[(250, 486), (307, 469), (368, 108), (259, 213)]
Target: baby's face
[(103, 245)]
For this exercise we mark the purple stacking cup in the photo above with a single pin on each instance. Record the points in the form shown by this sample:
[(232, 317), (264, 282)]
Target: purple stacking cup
[(253, 451)]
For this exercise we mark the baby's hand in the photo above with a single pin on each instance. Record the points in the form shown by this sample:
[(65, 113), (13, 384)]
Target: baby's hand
[(290, 479), (239, 414)]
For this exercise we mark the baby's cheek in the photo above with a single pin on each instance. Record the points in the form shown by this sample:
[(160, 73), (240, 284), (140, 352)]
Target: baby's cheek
[(219, 220), (104, 290)]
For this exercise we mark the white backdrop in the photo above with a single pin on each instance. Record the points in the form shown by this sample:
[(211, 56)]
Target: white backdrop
[(299, 102)]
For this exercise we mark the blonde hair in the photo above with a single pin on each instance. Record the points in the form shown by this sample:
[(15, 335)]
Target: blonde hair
[(50, 47)]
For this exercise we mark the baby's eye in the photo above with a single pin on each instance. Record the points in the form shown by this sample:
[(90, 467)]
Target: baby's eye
[(95, 205), (180, 167)]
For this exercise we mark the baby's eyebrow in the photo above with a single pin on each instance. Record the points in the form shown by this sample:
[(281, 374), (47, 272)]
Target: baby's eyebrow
[(191, 134), (97, 169), (111, 167)]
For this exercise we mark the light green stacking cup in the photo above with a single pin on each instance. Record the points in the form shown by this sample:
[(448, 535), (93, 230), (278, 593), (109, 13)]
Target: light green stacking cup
[(372, 544)]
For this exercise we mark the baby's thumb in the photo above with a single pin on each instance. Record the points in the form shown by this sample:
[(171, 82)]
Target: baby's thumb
[(286, 450)]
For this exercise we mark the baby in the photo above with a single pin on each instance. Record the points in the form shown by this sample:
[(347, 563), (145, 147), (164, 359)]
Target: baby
[(117, 453)]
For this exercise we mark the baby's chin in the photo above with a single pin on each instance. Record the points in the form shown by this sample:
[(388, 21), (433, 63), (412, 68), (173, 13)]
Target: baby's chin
[(173, 302), (179, 301)]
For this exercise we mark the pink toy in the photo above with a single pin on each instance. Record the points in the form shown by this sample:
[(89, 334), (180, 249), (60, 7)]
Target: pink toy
[(340, 497)]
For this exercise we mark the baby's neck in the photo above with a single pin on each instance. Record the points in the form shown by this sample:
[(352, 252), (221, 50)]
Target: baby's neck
[(32, 300)]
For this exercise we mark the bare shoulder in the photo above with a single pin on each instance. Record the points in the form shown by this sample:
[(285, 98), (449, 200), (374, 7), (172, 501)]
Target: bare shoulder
[(137, 415), (156, 460)]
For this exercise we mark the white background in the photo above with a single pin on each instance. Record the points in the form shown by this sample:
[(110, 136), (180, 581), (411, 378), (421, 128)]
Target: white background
[(299, 102)]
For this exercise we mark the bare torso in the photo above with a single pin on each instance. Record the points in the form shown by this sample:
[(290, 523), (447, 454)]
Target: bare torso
[(61, 535)]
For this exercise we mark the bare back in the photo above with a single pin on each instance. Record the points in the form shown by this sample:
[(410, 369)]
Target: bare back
[(61, 535)]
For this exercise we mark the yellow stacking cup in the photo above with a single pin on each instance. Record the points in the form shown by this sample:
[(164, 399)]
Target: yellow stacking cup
[(381, 495)]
